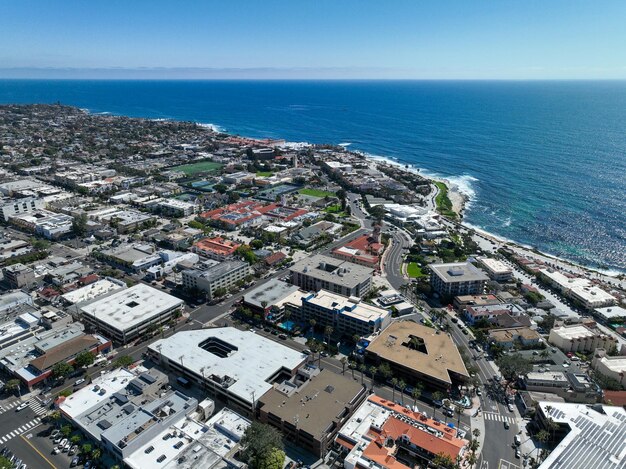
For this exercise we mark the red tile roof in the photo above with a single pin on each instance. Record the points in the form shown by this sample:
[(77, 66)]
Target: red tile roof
[(218, 245)]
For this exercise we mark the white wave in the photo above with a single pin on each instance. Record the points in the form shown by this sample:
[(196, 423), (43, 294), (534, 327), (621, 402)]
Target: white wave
[(213, 127), (345, 144), (507, 222)]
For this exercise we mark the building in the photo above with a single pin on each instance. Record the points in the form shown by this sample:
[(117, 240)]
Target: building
[(572, 387), (19, 276), (237, 366), (310, 235), (15, 207), (611, 313), (578, 289), (610, 366), (131, 257), (417, 352), (270, 298), (579, 338), (213, 276), (216, 248), (92, 291), (458, 278), (496, 270), (322, 272), (364, 250), (48, 224), (192, 444), (176, 208), (463, 301), (347, 316), (239, 215), (590, 436), (124, 221), (130, 313), (384, 435), (310, 408), (12, 299), (509, 337), (491, 313)]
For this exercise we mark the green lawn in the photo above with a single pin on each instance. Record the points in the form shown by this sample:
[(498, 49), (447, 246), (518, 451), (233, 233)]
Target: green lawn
[(264, 173), (316, 193), (444, 204), (195, 168), (335, 210), (414, 270)]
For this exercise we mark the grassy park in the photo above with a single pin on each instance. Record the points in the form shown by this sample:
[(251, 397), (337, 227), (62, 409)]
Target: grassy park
[(196, 168)]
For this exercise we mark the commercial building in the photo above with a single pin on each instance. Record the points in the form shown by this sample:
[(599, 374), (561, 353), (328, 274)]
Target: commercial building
[(15, 207), (216, 248), (127, 314), (92, 291), (132, 257), (48, 224), (310, 408), (463, 301), (384, 435), (610, 366), (237, 366), (509, 337), (19, 276), (491, 313), (496, 270), (322, 272), (578, 289), (193, 444), (212, 276), (270, 299), (611, 313), (363, 250), (176, 208), (579, 338), (346, 315), (240, 215), (417, 352), (572, 387), (590, 436), (309, 235), (458, 278)]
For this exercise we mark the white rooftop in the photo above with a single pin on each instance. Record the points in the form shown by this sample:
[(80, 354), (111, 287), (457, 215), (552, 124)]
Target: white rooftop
[(574, 331), (352, 307), (81, 401), (494, 265), (132, 306), (251, 363), (91, 291), (597, 439), (612, 312)]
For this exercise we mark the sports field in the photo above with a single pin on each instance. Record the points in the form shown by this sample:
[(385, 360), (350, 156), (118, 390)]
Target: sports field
[(196, 168)]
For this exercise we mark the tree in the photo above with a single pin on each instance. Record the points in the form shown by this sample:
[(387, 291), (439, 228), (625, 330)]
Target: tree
[(62, 370), (219, 292), (84, 359), (443, 461), (256, 244), (75, 439), (362, 369), (394, 383), (96, 453), (54, 416), (343, 361), (385, 370), (542, 437), (377, 212), (13, 385), (328, 331), (79, 224), (373, 372), (436, 397), (415, 394), (512, 366), (259, 442), (123, 362), (402, 387), (221, 188), (459, 411), (86, 449), (352, 366), (5, 463), (274, 459), (66, 430)]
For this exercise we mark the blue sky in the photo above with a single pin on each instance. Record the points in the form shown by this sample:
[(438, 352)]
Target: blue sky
[(314, 39)]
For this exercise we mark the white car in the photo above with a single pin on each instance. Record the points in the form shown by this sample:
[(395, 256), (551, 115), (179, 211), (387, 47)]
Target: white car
[(22, 406)]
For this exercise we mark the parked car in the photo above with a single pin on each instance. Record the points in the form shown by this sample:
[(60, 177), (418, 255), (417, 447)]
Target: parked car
[(73, 450), (518, 454), (75, 461), (67, 446), (510, 406), (54, 433), (63, 443), (56, 450), (57, 439), (506, 425), (79, 382)]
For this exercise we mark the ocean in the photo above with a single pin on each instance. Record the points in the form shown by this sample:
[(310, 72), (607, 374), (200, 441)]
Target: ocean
[(544, 163)]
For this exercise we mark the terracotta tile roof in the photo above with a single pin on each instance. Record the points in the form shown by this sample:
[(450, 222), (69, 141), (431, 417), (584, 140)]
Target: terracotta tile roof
[(218, 245), (377, 452)]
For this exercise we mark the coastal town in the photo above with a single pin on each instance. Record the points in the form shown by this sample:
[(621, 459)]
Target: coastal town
[(176, 296)]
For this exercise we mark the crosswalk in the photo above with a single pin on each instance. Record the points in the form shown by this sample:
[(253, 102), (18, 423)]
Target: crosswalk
[(498, 417), (18, 431), (34, 404)]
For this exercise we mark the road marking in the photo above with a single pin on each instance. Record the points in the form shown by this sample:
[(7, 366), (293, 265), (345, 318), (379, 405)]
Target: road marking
[(38, 452), (484, 465), (504, 464), (498, 417), (18, 431)]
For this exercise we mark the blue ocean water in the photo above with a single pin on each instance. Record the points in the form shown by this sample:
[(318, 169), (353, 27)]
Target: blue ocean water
[(545, 162)]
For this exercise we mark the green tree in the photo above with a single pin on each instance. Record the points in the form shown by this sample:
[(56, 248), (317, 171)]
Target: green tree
[(86, 449), (79, 224), (385, 370), (6, 463), (96, 453), (84, 359), (362, 369), (443, 461), (394, 384), (123, 362), (402, 387), (75, 439), (13, 385), (512, 366), (274, 459), (436, 397), (62, 370), (259, 442)]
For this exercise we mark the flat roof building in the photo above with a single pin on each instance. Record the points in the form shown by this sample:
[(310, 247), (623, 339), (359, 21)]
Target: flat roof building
[(496, 270), (419, 352), (310, 409), (579, 338), (457, 278), (238, 366), (212, 276), (322, 272), (127, 314), (216, 248), (346, 315), (270, 297), (611, 366)]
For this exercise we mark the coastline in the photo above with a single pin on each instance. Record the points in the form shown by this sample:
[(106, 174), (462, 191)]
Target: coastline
[(461, 200)]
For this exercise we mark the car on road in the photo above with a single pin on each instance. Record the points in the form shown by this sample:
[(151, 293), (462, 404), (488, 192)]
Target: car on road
[(518, 454), (510, 406), (21, 406), (79, 382), (478, 392), (506, 425), (282, 337)]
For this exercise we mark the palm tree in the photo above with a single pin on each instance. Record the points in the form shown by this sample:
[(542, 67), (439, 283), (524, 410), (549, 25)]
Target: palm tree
[(402, 387), (312, 322), (362, 369), (459, 411), (96, 453), (542, 437), (352, 365), (415, 394), (394, 383), (343, 361), (328, 331), (436, 396), (373, 371)]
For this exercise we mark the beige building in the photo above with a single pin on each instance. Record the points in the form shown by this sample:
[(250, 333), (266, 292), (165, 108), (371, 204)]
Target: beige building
[(417, 352), (613, 367), (579, 338)]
